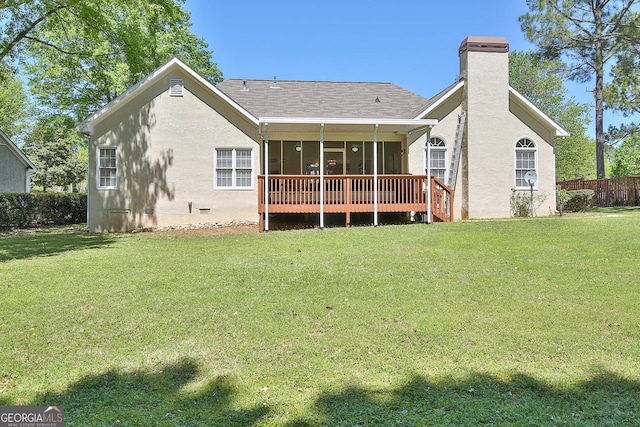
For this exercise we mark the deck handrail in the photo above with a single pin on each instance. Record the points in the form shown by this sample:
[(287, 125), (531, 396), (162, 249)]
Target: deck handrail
[(355, 193)]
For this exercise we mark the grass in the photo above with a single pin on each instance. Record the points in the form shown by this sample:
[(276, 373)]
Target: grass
[(518, 322)]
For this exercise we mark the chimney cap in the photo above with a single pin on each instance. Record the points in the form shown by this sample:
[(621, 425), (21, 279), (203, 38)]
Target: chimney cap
[(484, 44)]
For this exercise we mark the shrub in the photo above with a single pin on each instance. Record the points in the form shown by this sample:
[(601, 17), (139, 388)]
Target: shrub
[(579, 200), (562, 197), (523, 205), (30, 210)]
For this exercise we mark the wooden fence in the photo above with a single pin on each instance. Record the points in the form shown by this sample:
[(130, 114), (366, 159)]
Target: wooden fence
[(623, 191)]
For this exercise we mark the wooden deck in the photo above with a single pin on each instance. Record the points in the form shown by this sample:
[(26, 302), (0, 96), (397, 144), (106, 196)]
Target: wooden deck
[(354, 193)]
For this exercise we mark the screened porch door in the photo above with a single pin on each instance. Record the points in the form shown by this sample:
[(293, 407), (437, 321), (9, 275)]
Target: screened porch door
[(334, 161)]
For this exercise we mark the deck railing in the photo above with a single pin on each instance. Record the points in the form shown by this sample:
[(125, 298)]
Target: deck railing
[(355, 193)]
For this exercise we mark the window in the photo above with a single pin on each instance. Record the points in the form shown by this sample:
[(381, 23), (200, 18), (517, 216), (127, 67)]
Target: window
[(107, 168), (438, 159), (525, 161), (233, 168)]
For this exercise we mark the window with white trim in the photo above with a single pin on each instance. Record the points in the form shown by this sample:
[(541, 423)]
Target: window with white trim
[(233, 168), (438, 159), (107, 170), (525, 161)]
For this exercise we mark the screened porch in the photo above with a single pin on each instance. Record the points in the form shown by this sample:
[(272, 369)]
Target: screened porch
[(346, 172)]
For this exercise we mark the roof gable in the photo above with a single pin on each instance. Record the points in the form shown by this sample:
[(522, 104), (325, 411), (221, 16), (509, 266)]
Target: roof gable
[(295, 99), (5, 140), (323, 99), (514, 96), (529, 107), (439, 99), (87, 125)]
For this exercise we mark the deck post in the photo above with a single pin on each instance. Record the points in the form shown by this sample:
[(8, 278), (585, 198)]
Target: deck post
[(428, 151), (375, 176), (266, 177), (321, 175), (347, 200)]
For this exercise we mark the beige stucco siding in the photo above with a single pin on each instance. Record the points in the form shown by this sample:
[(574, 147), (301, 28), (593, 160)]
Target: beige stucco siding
[(487, 158), (166, 161), (492, 130), (13, 172), (447, 115), (493, 127), (492, 171), (544, 138)]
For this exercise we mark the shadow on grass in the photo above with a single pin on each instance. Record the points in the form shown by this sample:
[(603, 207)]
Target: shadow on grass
[(24, 244), (480, 399), (152, 398), (161, 398)]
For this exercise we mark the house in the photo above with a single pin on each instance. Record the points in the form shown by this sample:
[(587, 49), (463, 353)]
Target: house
[(15, 168), (177, 150)]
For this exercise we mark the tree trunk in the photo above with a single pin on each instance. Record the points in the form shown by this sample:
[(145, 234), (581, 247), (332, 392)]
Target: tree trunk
[(599, 124), (598, 92)]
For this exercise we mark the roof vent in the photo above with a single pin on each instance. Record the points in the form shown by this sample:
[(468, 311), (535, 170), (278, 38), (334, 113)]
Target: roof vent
[(274, 85), (176, 87), (377, 99), (244, 86)]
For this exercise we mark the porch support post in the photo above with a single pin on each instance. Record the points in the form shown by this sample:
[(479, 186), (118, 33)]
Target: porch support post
[(375, 176), (321, 175), (266, 177), (428, 151)]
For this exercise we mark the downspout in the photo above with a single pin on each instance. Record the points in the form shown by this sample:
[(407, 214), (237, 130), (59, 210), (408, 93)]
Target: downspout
[(266, 177), (321, 176)]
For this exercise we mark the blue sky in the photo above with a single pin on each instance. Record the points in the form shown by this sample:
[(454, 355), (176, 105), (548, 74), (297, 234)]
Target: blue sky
[(412, 43)]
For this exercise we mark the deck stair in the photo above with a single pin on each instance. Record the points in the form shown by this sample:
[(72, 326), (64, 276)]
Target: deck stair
[(457, 149)]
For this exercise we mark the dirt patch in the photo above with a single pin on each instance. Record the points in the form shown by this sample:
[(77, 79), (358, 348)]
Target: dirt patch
[(229, 229)]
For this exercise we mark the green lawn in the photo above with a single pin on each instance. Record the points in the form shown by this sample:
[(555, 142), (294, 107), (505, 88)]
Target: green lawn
[(519, 322)]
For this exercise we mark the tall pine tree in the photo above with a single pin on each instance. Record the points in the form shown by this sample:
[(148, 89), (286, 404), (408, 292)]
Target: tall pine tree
[(587, 35)]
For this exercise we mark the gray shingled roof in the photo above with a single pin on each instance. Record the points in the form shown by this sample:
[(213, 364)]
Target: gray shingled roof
[(323, 99)]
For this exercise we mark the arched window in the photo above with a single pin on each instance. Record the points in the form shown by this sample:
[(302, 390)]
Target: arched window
[(525, 161), (438, 159)]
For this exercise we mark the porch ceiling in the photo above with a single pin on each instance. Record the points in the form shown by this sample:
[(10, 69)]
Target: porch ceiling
[(293, 124)]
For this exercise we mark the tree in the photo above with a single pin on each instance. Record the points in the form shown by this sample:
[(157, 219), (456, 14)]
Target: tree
[(80, 55), (54, 148), (626, 158), (22, 21), (14, 104), (540, 81), (587, 34)]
